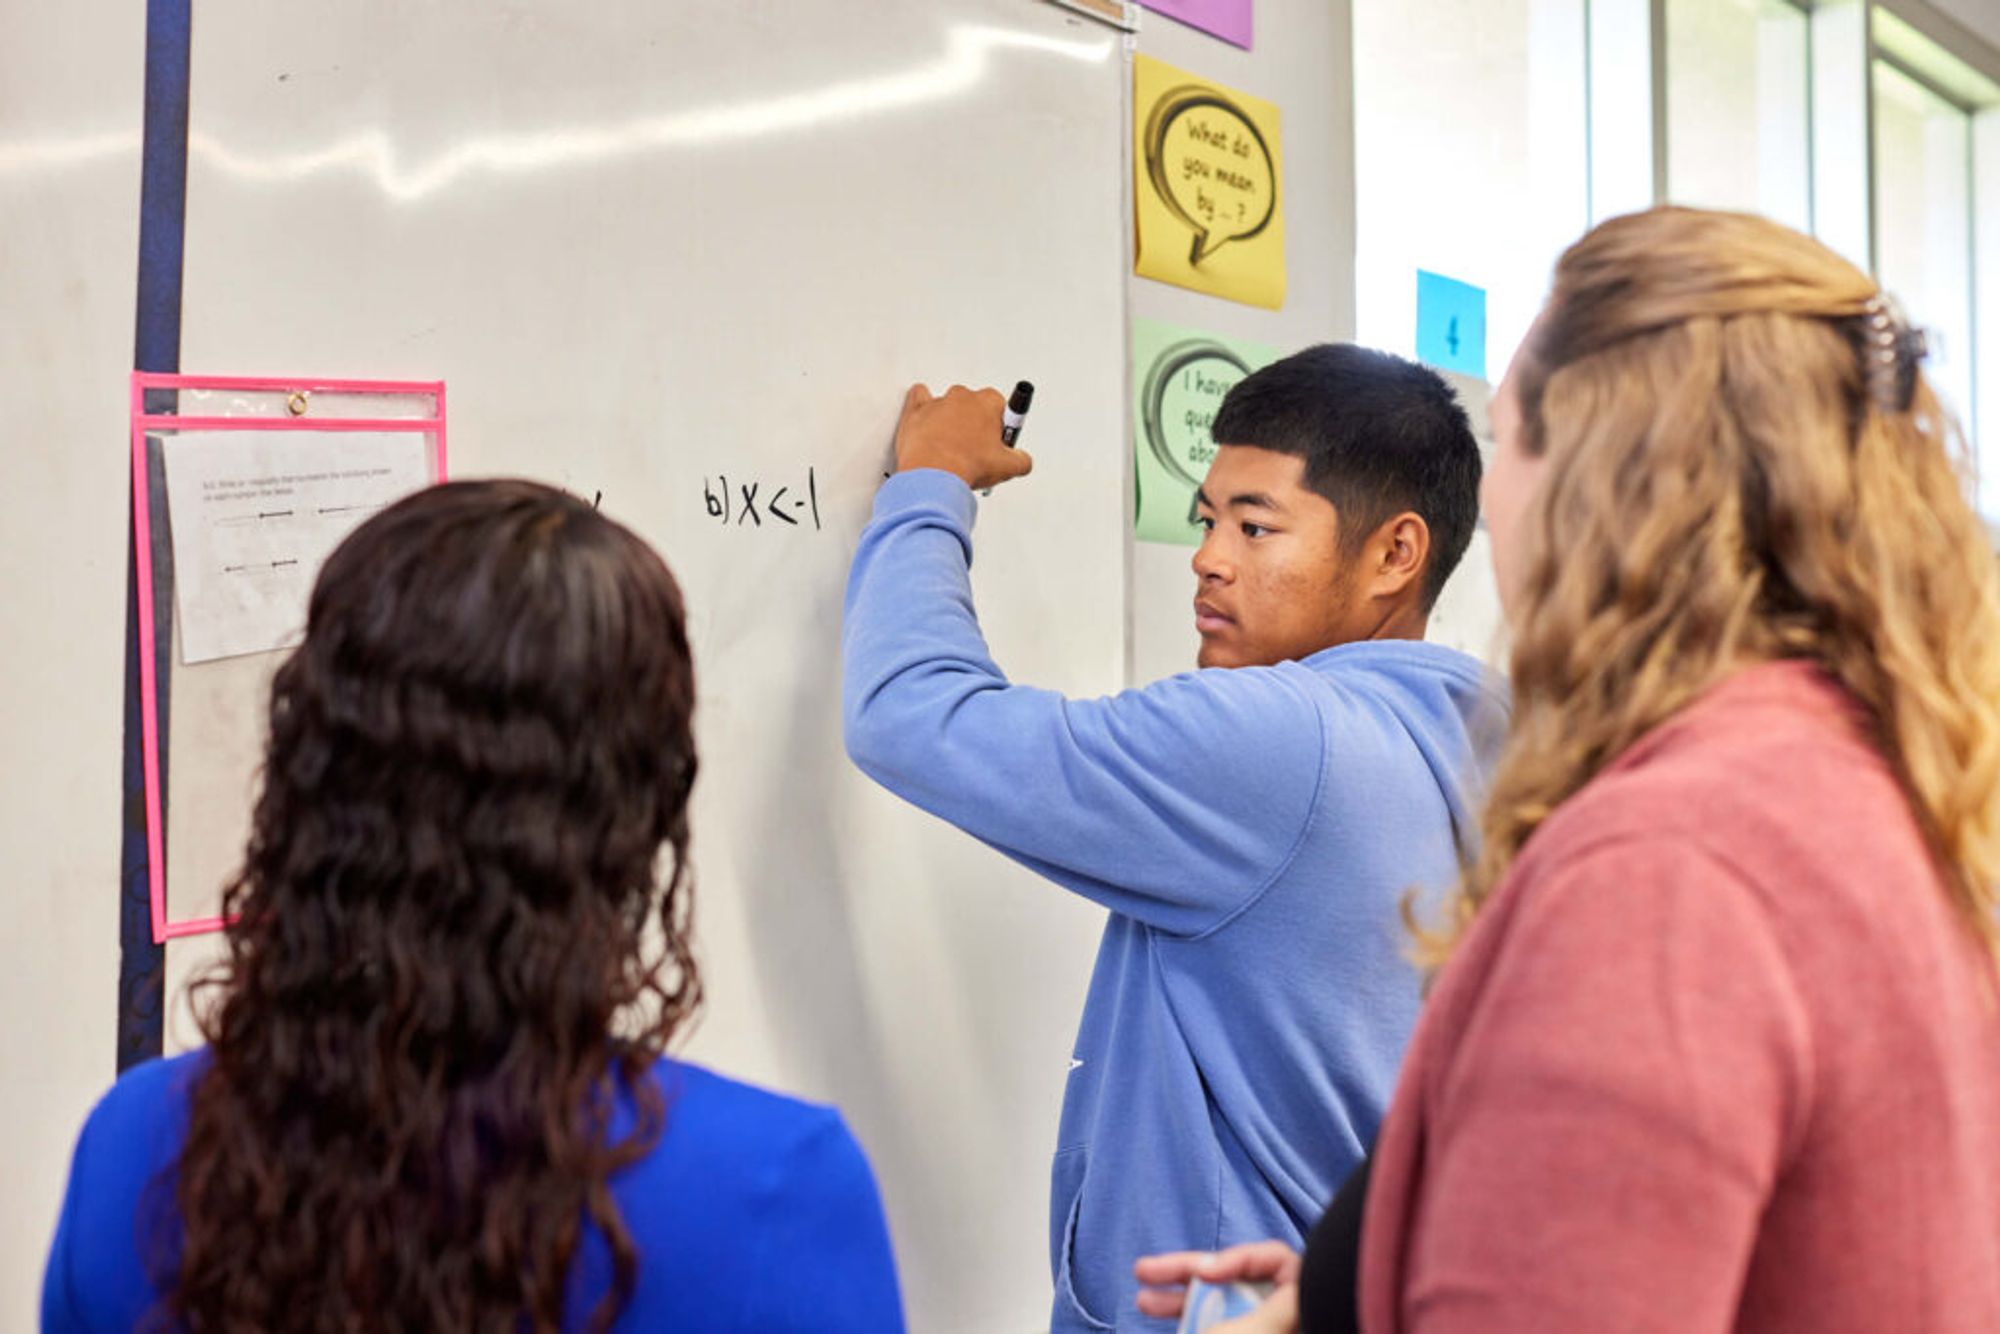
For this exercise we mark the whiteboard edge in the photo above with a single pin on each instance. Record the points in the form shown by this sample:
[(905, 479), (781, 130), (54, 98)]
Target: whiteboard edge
[(1120, 14)]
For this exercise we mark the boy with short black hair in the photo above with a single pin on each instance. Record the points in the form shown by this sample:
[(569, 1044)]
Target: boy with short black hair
[(1251, 831)]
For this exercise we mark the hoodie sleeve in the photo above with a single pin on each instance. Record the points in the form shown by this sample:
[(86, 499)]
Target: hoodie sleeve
[(1174, 804)]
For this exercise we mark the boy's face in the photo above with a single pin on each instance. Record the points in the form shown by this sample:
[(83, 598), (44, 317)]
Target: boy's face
[(1272, 584)]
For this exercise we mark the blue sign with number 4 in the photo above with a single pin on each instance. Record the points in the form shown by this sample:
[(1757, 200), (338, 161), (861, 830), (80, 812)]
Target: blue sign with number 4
[(1451, 324)]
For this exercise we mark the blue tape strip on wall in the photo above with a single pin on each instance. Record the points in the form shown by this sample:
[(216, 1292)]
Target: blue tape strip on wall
[(156, 347)]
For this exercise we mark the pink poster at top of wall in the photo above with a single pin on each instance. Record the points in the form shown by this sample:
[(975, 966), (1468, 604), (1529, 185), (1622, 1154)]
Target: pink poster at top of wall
[(1227, 19)]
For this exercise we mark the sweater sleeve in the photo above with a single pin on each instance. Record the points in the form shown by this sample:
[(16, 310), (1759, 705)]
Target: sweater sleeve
[(1174, 804), (1630, 1080), (824, 1261), (60, 1313)]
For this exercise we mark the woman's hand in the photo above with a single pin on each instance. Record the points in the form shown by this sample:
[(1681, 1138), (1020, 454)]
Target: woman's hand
[(1164, 1279)]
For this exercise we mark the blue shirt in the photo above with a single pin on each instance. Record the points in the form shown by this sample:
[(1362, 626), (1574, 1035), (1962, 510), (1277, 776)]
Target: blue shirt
[(1253, 832), (754, 1212)]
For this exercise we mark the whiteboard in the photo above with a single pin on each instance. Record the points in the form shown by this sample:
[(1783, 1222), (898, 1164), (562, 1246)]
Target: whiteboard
[(649, 247)]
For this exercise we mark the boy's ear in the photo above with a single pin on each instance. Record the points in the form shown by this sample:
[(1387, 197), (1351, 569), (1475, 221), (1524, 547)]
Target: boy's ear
[(1401, 550)]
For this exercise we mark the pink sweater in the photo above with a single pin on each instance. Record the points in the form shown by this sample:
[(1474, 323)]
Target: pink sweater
[(1716, 1055)]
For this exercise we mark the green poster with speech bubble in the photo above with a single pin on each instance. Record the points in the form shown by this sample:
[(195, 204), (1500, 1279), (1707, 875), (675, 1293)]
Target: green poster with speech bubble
[(1179, 377)]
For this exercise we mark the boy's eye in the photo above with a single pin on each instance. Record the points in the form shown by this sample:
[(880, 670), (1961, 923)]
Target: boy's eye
[(1254, 530), (1205, 523)]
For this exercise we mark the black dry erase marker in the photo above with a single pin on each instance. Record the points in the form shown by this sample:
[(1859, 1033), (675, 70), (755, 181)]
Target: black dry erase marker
[(1016, 413), (1011, 419)]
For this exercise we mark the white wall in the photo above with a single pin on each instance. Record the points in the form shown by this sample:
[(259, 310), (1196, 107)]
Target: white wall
[(69, 203), (1471, 160), (1301, 61), (1470, 157)]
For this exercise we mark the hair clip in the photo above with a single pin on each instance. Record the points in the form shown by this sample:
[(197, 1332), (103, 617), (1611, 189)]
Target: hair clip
[(1890, 351)]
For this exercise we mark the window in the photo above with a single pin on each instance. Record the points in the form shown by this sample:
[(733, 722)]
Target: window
[(1490, 133), (1923, 221), (1936, 162), (1738, 104)]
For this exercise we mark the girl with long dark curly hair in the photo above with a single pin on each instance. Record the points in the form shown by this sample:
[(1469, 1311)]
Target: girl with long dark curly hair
[(434, 1094)]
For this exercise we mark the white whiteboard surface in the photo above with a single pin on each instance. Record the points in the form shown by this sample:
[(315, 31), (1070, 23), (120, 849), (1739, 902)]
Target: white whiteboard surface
[(647, 246)]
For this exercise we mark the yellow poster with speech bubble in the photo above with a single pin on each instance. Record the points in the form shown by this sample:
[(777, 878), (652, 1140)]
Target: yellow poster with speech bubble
[(1207, 198)]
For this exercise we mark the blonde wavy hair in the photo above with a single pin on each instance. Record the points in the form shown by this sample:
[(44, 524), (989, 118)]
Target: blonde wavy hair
[(1720, 487)]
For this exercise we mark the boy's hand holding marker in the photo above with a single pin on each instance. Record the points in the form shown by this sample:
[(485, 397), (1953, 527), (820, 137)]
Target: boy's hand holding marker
[(966, 433)]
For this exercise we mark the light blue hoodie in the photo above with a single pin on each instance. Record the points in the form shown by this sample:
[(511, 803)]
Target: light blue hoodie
[(1252, 832)]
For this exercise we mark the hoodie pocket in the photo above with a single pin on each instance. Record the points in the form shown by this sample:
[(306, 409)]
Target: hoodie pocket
[(1065, 1204)]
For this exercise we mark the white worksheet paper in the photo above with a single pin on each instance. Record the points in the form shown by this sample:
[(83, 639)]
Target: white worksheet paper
[(255, 513)]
